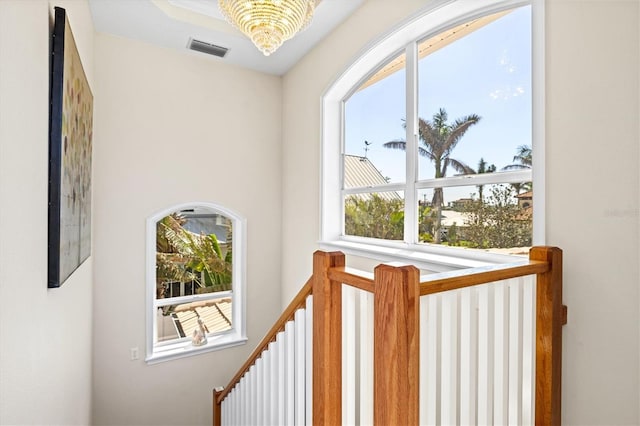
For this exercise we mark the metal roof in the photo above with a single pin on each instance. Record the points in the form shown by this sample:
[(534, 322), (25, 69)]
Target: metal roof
[(359, 172)]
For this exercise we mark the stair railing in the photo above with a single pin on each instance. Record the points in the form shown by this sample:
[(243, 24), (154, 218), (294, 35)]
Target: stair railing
[(406, 336)]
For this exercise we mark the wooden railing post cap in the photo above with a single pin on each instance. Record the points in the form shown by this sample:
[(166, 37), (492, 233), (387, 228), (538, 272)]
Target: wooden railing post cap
[(217, 392), (394, 266), (327, 259), (550, 250), (327, 253)]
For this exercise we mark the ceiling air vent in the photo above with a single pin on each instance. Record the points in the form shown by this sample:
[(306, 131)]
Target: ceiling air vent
[(208, 48)]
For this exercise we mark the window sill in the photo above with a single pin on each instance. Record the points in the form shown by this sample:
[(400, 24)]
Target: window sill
[(183, 350), (426, 257)]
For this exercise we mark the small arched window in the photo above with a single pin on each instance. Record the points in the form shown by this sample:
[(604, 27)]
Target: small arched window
[(195, 280), (428, 140)]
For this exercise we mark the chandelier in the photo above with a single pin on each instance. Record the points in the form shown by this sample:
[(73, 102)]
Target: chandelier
[(268, 23)]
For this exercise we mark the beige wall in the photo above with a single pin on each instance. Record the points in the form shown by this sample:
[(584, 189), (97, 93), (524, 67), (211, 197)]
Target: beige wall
[(171, 128), (592, 154), (45, 335), (592, 136)]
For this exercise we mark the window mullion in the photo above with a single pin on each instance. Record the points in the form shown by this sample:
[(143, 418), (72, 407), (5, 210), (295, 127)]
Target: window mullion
[(410, 202)]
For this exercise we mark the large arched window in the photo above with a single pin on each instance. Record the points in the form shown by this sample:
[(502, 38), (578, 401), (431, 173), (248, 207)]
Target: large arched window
[(429, 139), (195, 280)]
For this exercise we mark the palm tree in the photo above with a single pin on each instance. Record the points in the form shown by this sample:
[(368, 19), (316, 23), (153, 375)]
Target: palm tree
[(483, 167), (522, 160), (438, 141)]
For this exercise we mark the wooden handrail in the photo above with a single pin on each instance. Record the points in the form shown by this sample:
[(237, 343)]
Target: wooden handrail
[(445, 281), (454, 280), (298, 302), (353, 277)]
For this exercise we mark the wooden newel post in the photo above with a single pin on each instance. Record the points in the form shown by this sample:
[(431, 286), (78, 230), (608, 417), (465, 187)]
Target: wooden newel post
[(327, 340), (217, 408), (396, 345), (550, 317)]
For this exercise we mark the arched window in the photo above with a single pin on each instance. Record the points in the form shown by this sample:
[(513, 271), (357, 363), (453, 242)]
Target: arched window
[(195, 280), (428, 140)]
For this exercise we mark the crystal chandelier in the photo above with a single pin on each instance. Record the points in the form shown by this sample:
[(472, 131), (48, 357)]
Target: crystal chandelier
[(268, 23)]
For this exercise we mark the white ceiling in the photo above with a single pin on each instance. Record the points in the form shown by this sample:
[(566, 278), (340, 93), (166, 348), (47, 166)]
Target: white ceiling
[(171, 23)]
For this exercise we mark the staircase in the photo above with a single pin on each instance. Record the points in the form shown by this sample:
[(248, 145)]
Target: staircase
[(475, 346)]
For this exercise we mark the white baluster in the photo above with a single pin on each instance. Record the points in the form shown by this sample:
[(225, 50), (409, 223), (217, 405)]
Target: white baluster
[(273, 385), (432, 349), (515, 351), (224, 413), (501, 354), (280, 379), (309, 362), (260, 415), (266, 387), (249, 406), (300, 361), (528, 350), (366, 358), (449, 363), (348, 356), (485, 354), (241, 400), (289, 331), (233, 406), (468, 355)]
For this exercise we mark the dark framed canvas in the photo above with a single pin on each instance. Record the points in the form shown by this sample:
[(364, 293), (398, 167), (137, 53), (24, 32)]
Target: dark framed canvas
[(70, 150)]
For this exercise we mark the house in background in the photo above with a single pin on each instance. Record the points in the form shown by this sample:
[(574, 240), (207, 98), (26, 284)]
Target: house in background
[(459, 204), (76, 358), (525, 200)]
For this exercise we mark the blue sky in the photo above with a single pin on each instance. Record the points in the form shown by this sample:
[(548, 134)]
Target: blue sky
[(487, 73)]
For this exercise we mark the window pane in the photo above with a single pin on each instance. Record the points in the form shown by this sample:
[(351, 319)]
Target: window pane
[(375, 215), (496, 217), (374, 115), (178, 321), (475, 96), (193, 253)]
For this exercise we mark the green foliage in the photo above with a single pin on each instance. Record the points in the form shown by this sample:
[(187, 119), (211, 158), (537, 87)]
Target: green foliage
[(425, 237), (426, 223), (498, 222), (377, 217), (495, 222), (374, 217), (452, 235), (184, 257)]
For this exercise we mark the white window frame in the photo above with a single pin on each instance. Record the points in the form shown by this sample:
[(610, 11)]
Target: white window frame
[(437, 17), (179, 348)]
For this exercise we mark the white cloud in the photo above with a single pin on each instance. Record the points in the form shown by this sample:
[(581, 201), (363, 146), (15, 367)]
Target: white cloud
[(507, 92)]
